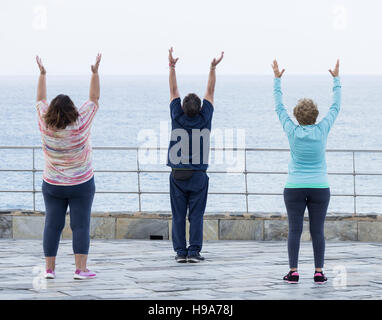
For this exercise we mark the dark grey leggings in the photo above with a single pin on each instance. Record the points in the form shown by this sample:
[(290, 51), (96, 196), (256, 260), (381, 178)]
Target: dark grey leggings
[(296, 201), (79, 198)]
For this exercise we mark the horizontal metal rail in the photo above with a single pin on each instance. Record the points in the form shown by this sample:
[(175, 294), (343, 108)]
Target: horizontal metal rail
[(116, 148), (354, 173)]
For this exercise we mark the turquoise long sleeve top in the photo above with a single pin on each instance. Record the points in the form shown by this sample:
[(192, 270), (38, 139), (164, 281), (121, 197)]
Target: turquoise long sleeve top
[(307, 165)]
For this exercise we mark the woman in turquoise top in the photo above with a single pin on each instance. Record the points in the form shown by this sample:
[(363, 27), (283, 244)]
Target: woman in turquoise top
[(307, 184)]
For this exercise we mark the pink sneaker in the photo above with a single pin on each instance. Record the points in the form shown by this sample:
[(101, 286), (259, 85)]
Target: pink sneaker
[(82, 275), (292, 277), (49, 274)]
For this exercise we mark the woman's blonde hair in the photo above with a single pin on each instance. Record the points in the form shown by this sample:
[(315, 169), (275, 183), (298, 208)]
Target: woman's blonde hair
[(306, 112)]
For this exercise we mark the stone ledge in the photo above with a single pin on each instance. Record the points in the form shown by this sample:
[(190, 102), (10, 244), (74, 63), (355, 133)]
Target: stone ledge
[(6, 226), (208, 216), (226, 226)]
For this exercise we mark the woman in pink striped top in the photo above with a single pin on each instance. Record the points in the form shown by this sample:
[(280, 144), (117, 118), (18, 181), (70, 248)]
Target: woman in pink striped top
[(68, 174)]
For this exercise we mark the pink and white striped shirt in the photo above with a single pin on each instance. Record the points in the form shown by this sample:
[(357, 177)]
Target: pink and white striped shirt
[(68, 152)]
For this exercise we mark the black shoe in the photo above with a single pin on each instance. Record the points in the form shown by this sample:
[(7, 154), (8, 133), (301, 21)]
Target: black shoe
[(195, 258), (292, 277), (180, 258), (319, 277)]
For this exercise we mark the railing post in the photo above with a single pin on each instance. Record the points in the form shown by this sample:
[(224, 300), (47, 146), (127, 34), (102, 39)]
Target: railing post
[(33, 179), (354, 189), (139, 182), (246, 182)]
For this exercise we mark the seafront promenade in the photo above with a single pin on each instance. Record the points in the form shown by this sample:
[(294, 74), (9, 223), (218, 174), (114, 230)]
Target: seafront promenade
[(144, 269), (245, 246), (247, 205)]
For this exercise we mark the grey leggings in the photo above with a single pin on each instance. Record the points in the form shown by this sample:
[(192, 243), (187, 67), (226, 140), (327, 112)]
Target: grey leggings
[(296, 201)]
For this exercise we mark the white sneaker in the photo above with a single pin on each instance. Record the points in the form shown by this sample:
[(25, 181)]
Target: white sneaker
[(82, 275), (49, 274)]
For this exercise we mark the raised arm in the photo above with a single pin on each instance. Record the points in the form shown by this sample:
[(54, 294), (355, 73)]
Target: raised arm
[(286, 122), (174, 92), (329, 119), (212, 79), (41, 87), (94, 92)]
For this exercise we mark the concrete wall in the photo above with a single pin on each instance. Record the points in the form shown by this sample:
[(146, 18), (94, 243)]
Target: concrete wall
[(227, 226)]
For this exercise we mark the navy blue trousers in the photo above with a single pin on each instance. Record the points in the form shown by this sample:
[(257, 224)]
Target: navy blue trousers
[(188, 194), (296, 201), (79, 198)]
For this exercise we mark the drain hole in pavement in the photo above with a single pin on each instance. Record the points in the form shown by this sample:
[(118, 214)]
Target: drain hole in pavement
[(156, 237)]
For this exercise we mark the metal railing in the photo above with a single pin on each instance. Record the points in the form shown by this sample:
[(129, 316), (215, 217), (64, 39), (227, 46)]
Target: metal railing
[(354, 173)]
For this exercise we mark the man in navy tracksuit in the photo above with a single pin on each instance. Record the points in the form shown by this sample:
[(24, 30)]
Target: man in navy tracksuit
[(188, 157)]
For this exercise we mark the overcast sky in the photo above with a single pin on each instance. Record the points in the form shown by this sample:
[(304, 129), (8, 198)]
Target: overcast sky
[(305, 35)]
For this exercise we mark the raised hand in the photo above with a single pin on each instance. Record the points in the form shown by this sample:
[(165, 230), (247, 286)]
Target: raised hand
[(336, 70), (276, 70), (95, 66), (171, 60), (40, 65), (41, 87), (215, 62)]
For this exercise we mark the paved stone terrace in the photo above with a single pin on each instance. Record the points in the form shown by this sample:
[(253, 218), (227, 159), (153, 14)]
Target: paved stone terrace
[(143, 269)]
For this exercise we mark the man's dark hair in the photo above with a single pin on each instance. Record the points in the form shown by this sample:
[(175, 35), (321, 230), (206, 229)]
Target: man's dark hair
[(191, 104), (61, 113)]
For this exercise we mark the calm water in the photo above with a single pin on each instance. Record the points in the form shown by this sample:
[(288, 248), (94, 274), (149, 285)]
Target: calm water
[(129, 104)]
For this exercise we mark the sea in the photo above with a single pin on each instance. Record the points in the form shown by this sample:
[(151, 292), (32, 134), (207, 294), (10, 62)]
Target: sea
[(134, 112)]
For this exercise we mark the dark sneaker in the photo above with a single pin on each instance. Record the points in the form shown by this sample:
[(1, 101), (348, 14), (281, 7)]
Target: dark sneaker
[(319, 277), (292, 277), (180, 258), (195, 258)]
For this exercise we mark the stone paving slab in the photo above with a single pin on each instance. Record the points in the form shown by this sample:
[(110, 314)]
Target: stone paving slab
[(143, 269)]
